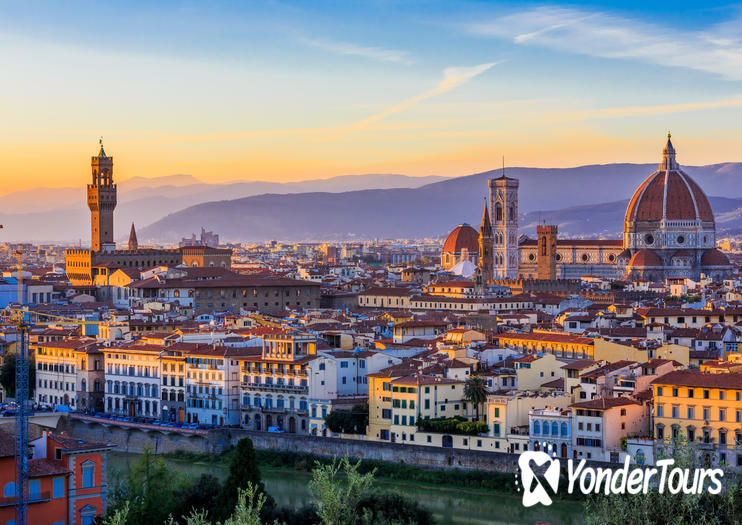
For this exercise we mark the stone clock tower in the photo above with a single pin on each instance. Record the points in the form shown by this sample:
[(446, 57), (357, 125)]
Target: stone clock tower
[(102, 202), (504, 214)]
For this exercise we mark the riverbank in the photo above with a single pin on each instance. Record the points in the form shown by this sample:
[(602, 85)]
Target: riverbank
[(286, 479)]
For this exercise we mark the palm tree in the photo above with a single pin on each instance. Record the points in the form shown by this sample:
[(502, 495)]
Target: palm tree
[(475, 391)]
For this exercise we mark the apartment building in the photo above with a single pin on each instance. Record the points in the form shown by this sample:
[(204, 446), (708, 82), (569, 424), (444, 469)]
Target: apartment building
[(133, 380), (701, 409), (210, 397), (598, 426), (275, 384), (58, 375)]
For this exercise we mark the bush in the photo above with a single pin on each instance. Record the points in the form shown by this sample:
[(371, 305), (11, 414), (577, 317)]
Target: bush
[(352, 421), (453, 425)]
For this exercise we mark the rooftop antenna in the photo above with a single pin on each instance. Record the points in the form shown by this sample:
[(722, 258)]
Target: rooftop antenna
[(503, 165)]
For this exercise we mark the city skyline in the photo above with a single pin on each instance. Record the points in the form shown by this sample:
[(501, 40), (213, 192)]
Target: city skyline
[(291, 92)]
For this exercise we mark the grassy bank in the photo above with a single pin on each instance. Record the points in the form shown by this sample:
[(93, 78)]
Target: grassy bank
[(305, 462)]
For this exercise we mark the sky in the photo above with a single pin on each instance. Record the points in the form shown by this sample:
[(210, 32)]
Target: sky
[(289, 91)]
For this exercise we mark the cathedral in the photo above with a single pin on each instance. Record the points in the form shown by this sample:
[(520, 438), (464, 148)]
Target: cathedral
[(84, 266), (669, 228), (669, 231)]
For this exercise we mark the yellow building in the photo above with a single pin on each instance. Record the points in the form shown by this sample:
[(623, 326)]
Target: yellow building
[(559, 344), (399, 394), (704, 409)]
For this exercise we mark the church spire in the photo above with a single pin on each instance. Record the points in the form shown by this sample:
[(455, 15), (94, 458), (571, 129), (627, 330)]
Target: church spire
[(485, 229), (133, 243), (668, 156)]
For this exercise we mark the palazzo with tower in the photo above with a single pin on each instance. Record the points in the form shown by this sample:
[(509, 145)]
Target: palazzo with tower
[(83, 265)]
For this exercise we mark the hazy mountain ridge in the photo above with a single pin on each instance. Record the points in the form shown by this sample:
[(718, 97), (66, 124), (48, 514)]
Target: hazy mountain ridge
[(569, 196), (437, 208), (65, 216), (584, 201)]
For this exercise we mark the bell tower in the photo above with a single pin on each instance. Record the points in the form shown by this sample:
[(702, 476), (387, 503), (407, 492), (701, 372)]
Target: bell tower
[(504, 215), (486, 243), (546, 263), (102, 202)]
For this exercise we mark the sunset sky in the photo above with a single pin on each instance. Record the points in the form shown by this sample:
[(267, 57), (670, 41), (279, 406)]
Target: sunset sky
[(289, 91)]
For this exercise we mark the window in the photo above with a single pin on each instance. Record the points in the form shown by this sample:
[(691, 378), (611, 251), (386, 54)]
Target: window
[(34, 489), (88, 474), (660, 411), (9, 490), (58, 488)]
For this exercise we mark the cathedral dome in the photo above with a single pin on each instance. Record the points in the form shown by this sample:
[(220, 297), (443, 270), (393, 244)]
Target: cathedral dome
[(669, 194), (645, 259), (462, 237), (714, 258)]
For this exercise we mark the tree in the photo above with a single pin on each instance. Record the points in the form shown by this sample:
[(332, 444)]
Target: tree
[(337, 500), (655, 508), (149, 491), (243, 471), (201, 497), (353, 421), (7, 375), (475, 391), (391, 507)]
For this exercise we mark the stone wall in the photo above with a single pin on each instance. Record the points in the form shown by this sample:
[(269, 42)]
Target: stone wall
[(131, 439)]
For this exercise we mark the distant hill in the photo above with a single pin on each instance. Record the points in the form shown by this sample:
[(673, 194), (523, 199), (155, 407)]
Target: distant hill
[(60, 214), (585, 201)]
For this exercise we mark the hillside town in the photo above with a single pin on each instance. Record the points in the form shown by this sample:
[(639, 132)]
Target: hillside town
[(489, 341)]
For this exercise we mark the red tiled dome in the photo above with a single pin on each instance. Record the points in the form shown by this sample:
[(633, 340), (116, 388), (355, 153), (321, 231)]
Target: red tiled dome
[(463, 236), (626, 254), (714, 258), (682, 253), (671, 195), (645, 258)]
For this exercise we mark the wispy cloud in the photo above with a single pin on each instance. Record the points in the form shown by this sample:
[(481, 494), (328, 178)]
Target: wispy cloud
[(453, 77), (717, 49), (379, 54)]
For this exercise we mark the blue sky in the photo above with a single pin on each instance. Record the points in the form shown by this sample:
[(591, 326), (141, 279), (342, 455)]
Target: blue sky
[(288, 91)]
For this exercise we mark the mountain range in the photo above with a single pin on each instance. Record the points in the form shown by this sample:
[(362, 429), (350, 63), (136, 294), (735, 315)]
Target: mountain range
[(585, 201), (61, 214)]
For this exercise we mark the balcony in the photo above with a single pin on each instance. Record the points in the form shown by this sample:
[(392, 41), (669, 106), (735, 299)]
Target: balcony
[(275, 388)]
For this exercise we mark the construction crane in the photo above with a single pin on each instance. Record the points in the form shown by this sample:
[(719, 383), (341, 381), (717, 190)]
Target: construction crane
[(21, 396)]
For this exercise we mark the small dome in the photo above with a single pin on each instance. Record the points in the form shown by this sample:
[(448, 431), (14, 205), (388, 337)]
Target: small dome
[(714, 258), (645, 259), (624, 256), (682, 253), (463, 236)]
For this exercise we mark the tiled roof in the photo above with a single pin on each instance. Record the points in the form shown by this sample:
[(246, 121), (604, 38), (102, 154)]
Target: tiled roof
[(605, 403), (696, 378)]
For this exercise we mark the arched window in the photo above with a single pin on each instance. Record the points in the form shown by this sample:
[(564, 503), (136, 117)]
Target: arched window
[(546, 428), (536, 427), (564, 429), (9, 490), (498, 212), (554, 428)]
